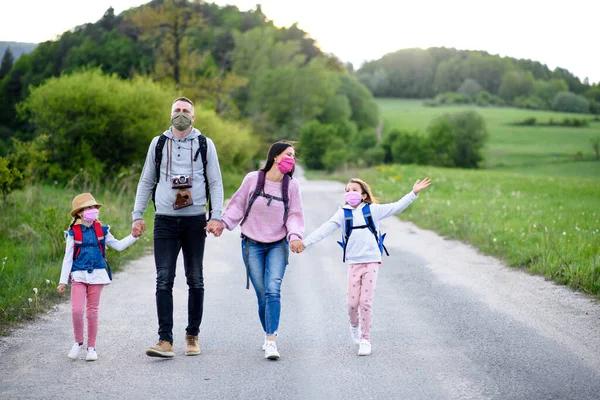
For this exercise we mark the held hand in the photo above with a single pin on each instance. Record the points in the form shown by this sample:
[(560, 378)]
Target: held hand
[(297, 246), (421, 184), (215, 227), (61, 288), (138, 228)]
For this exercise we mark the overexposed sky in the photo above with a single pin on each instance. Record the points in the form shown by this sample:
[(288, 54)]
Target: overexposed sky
[(564, 34)]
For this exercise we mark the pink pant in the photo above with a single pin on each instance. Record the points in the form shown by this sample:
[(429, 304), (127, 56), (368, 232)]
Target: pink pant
[(361, 290), (88, 295)]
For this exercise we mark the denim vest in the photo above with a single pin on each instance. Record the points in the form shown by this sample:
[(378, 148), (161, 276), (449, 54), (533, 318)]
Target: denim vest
[(90, 256)]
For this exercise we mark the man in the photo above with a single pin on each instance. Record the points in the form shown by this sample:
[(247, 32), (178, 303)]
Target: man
[(178, 188)]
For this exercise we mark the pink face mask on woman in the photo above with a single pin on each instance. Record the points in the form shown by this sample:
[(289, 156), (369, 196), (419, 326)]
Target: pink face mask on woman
[(286, 164), (353, 198), (90, 214)]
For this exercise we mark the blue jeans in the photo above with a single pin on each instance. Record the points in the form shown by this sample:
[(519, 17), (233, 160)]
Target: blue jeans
[(172, 234), (266, 263)]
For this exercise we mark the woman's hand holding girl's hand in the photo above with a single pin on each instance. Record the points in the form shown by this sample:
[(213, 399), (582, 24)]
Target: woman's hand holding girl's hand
[(297, 246), (61, 288), (420, 185)]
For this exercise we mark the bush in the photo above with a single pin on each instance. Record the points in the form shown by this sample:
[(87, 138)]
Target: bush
[(374, 156), (470, 136), (315, 139), (451, 98), (411, 148), (530, 102), (102, 125), (570, 102), (485, 98), (442, 141), (470, 87)]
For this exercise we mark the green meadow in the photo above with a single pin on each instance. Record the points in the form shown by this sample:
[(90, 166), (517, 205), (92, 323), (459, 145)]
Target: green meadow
[(535, 150), (547, 225), (535, 205)]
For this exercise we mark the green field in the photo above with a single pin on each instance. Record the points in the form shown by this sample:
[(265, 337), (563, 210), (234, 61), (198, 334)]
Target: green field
[(547, 225), (524, 207), (547, 150)]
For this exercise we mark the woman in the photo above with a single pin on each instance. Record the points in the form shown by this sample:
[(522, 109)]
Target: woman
[(268, 207)]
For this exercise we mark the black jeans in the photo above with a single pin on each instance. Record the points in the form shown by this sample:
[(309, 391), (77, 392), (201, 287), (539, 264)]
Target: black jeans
[(172, 234)]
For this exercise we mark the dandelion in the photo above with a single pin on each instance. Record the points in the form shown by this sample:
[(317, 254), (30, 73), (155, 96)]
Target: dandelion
[(47, 281), (35, 290), (564, 233), (494, 240), (30, 300), (534, 225), (451, 222)]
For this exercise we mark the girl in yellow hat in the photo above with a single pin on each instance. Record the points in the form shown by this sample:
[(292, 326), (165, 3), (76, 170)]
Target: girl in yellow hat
[(85, 263)]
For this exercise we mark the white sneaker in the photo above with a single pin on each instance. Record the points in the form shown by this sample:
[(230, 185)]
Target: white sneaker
[(355, 334), (264, 346), (91, 354), (74, 353), (271, 350), (365, 348)]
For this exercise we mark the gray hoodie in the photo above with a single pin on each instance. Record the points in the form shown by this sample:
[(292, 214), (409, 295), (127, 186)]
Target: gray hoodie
[(177, 160)]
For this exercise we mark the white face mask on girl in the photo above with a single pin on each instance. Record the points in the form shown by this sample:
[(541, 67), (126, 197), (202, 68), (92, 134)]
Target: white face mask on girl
[(90, 215)]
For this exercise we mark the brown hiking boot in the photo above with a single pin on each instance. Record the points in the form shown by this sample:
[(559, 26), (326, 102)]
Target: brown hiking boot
[(191, 345), (162, 349)]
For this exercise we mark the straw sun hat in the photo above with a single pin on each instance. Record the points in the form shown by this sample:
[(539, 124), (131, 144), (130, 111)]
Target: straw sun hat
[(82, 201)]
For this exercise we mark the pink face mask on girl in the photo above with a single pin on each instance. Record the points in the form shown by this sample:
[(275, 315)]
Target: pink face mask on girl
[(90, 215), (353, 198), (286, 164)]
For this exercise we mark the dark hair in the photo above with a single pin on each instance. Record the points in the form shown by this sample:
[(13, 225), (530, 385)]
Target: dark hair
[(276, 149), (184, 99)]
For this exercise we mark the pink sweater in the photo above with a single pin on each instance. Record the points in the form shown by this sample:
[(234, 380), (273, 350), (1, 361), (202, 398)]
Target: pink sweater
[(265, 222)]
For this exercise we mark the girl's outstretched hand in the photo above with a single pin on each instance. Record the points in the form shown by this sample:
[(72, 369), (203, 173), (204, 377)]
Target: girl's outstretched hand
[(421, 184)]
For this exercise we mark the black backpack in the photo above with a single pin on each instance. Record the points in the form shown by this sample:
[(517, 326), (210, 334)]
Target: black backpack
[(202, 149), (259, 191)]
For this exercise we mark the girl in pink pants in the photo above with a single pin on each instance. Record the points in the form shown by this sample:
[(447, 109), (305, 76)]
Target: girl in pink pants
[(362, 243), (85, 263)]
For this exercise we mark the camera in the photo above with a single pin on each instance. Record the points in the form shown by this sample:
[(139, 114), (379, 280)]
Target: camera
[(181, 182)]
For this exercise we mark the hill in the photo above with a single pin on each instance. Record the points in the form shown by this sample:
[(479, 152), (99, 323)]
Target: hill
[(17, 48)]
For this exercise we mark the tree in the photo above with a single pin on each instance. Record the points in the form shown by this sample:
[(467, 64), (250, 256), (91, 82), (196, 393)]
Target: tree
[(471, 134), (7, 63), (92, 127), (515, 84), (470, 87), (166, 25), (570, 102), (315, 140)]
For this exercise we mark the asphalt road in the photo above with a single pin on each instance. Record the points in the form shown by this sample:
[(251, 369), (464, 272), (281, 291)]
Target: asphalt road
[(448, 323)]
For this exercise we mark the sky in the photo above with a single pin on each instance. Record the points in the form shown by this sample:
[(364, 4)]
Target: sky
[(563, 35)]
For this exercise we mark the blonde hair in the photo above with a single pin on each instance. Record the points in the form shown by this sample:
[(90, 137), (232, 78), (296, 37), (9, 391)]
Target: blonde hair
[(365, 189)]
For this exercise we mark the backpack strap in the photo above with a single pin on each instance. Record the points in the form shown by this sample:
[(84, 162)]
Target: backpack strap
[(285, 186), (78, 240), (158, 153), (366, 210), (100, 237), (348, 227), (260, 184), (202, 150)]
